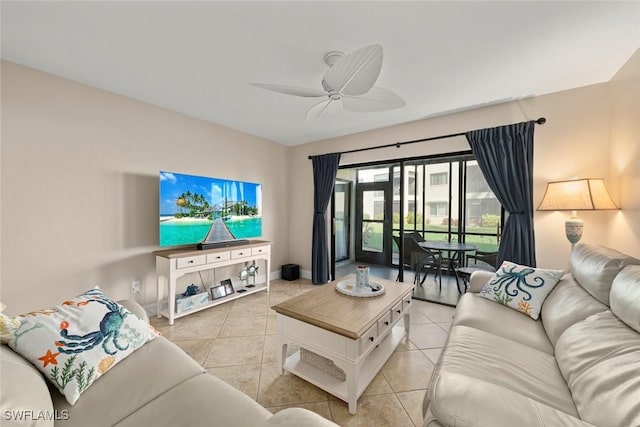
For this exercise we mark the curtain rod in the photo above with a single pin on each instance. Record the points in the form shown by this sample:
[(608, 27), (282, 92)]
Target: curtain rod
[(540, 121)]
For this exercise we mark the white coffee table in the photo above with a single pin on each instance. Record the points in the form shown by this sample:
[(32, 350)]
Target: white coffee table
[(357, 334)]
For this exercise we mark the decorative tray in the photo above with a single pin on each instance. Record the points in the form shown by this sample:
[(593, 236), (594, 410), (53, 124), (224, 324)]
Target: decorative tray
[(348, 287)]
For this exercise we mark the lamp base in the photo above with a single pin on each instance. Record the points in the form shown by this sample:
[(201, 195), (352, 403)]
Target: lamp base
[(573, 228)]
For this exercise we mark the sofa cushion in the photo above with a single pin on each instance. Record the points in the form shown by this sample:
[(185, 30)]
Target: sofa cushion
[(595, 267), (600, 359), (521, 288), (25, 399), (567, 304), (480, 313), (625, 296), (489, 358), (296, 417), (200, 401), (466, 402), (429, 419), (151, 371), (78, 341)]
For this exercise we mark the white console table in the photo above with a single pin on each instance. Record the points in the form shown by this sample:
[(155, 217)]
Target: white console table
[(174, 263)]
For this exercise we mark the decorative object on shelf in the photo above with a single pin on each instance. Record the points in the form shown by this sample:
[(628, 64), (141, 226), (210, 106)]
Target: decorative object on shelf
[(217, 292), (244, 276), (349, 287), (228, 286), (252, 270), (184, 302), (325, 365), (588, 194), (362, 277), (192, 289)]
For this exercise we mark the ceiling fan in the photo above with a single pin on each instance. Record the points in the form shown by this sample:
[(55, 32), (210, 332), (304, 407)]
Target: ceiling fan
[(348, 83)]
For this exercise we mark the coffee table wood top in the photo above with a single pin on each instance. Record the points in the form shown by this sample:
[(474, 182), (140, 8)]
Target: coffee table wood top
[(345, 315)]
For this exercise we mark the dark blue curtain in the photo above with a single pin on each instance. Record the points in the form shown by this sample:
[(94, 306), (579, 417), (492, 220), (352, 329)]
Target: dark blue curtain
[(325, 168), (505, 157)]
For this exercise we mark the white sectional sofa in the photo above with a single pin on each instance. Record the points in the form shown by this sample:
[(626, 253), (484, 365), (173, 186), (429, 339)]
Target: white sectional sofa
[(578, 365), (157, 385)]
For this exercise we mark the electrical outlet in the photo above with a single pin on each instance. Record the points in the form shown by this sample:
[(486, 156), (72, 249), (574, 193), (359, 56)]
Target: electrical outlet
[(135, 287)]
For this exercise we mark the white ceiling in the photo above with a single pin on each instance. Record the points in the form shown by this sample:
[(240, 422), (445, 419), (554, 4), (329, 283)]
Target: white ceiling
[(199, 58)]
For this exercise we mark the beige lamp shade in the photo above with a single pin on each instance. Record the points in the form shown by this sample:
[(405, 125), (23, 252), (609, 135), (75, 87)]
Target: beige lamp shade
[(586, 194)]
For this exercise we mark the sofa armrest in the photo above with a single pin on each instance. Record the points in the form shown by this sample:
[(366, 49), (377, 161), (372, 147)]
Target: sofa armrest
[(135, 308), (479, 279), (296, 417)]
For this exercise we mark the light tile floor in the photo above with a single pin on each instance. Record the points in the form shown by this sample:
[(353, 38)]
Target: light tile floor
[(236, 342)]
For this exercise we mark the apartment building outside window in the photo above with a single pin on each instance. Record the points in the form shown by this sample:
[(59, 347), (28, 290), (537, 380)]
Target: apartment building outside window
[(443, 198), (440, 178), (438, 208)]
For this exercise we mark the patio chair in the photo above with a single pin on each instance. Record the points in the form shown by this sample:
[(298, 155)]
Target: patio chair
[(415, 235), (488, 258), (421, 260), (488, 261)]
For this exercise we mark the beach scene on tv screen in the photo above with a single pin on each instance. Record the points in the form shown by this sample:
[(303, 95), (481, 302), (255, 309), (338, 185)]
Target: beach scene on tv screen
[(195, 209)]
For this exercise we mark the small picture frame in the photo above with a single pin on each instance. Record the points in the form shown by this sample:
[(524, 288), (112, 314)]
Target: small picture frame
[(217, 292), (228, 286)]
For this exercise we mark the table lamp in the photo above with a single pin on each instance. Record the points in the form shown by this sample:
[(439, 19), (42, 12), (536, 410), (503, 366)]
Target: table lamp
[(587, 194)]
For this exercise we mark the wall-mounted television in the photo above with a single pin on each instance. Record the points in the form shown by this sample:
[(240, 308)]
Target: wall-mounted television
[(203, 210)]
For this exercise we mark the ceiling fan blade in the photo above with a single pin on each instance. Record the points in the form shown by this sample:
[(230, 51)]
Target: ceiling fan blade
[(356, 73), (377, 99), (292, 90), (325, 107)]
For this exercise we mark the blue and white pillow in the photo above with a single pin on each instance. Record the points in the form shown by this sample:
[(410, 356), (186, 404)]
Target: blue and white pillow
[(521, 288), (78, 341)]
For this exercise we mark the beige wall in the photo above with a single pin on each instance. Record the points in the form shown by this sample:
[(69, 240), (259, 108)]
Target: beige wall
[(80, 186), (625, 156), (574, 141), (79, 172)]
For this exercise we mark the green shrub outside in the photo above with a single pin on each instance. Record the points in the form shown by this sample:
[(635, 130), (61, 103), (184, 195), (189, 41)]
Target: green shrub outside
[(489, 220)]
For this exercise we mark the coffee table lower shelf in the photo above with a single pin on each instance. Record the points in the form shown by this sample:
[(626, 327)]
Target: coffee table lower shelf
[(368, 367)]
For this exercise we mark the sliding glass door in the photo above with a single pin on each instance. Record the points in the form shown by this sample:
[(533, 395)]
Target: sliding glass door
[(373, 216), (342, 208), (443, 198), (449, 200), (483, 212)]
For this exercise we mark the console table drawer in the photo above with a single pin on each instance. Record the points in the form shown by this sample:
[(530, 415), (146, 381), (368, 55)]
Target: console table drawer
[(259, 250), (396, 312), (406, 302), (384, 323), (240, 253), (191, 261), (369, 337), (218, 257)]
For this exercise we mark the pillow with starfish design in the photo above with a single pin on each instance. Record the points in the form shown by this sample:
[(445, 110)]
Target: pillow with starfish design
[(521, 288), (78, 341)]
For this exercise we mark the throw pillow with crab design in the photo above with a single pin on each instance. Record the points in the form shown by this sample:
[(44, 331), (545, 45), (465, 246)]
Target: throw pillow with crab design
[(78, 341)]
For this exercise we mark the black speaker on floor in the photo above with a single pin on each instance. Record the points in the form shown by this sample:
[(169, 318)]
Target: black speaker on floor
[(290, 272)]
